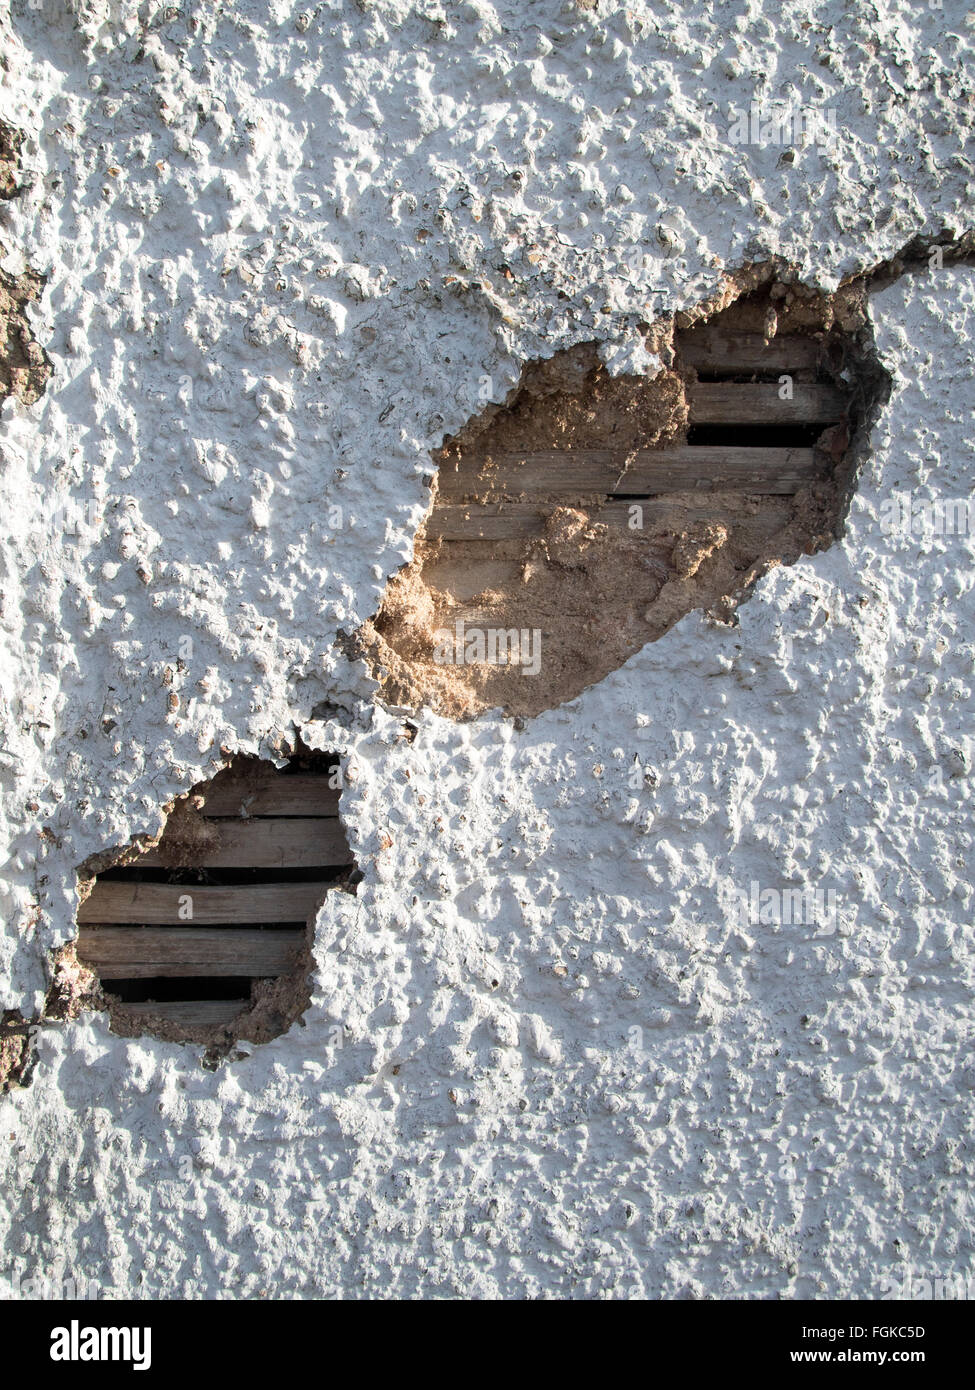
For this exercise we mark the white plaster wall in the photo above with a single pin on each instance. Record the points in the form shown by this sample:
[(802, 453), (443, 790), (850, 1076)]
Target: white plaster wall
[(563, 1071)]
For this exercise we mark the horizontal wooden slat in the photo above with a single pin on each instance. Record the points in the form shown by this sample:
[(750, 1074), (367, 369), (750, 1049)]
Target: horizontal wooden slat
[(762, 471), (281, 843), (725, 403), (651, 472), (569, 472), (191, 1013), (119, 953), (159, 903), (714, 350), (494, 522), (506, 520), (297, 794)]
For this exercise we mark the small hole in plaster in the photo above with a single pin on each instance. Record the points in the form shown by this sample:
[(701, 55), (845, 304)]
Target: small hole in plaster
[(24, 366), (206, 935)]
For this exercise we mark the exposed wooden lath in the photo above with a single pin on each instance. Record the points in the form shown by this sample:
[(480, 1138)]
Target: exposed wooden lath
[(492, 499), (163, 917)]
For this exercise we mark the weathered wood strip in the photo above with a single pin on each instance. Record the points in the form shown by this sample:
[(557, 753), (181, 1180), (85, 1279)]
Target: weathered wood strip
[(762, 471), (569, 472), (120, 953), (497, 521), (273, 843), (294, 794), (191, 1013), (728, 403), (651, 472), (717, 350), (513, 520), (162, 903)]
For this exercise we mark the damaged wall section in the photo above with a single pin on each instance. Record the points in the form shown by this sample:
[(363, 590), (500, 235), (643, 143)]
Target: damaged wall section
[(589, 513), (24, 366), (205, 934)]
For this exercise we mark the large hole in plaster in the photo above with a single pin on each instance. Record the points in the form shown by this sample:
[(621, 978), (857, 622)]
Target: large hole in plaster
[(588, 514), (205, 935)]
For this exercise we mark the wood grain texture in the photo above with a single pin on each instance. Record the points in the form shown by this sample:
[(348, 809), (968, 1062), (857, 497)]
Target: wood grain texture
[(699, 466), (274, 843), (159, 903), (119, 953), (717, 350), (296, 794), (650, 472), (728, 403), (191, 1013)]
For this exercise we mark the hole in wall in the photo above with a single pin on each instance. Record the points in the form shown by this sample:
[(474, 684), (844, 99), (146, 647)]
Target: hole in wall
[(205, 936), (24, 366), (16, 1058), (11, 141), (587, 514)]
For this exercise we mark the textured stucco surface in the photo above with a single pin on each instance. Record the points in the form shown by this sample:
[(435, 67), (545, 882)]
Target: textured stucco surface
[(541, 1059)]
